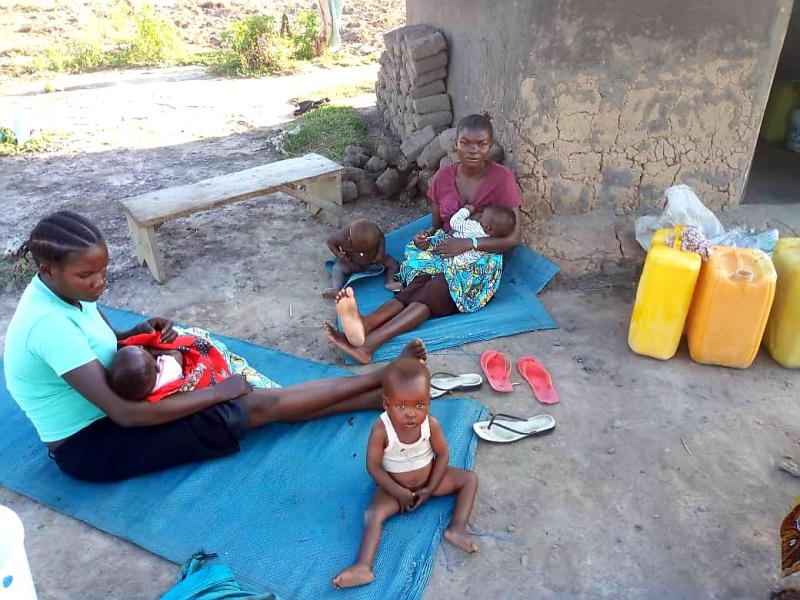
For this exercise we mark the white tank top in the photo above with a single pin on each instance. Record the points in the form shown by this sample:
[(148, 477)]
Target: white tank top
[(402, 458)]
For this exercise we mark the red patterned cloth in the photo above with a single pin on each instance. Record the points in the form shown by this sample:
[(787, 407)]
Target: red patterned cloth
[(203, 364)]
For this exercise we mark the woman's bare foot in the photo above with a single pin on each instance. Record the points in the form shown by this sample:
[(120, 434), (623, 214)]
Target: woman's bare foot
[(330, 293), (353, 577), (394, 286), (339, 341), (459, 538), (415, 349), (347, 309)]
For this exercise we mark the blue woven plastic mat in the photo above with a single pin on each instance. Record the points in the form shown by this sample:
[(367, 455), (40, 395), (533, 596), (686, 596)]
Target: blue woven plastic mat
[(514, 308), (286, 513)]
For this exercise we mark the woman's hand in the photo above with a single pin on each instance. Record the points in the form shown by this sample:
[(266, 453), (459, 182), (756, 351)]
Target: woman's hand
[(233, 387), (421, 240), (451, 247), (161, 324)]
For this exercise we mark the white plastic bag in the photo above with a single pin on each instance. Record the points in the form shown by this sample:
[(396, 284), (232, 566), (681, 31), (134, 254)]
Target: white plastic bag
[(741, 238), (683, 208)]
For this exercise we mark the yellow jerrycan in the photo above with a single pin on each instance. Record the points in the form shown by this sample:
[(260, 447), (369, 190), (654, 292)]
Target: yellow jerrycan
[(782, 337), (731, 304), (663, 297), (660, 237)]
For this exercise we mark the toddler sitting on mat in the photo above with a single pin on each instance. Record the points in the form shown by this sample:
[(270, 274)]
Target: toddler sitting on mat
[(407, 456), (357, 248)]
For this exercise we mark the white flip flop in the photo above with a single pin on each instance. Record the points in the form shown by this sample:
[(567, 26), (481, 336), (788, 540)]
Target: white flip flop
[(442, 383), (503, 428)]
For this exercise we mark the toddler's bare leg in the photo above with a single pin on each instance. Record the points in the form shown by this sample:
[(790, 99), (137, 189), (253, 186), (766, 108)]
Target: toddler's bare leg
[(339, 276), (465, 485), (392, 267), (381, 508)]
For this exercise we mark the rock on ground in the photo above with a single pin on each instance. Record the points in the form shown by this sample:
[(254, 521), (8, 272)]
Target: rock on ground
[(389, 182)]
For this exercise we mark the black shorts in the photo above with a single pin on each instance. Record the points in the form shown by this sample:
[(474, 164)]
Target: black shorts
[(433, 292), (105, 451)]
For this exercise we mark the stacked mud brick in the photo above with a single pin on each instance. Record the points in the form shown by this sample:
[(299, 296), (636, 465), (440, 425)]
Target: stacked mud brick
[(411, 82)]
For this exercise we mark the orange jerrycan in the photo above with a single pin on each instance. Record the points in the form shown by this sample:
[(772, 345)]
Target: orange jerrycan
[(782, 337), (663, 298), (730, 308)]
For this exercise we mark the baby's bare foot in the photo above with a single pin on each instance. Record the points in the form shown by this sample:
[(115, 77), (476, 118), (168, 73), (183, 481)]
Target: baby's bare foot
[(338, 341), (330, 293), (353, 577), (347, 309), (415, 349), (394, 286), (460, 539)]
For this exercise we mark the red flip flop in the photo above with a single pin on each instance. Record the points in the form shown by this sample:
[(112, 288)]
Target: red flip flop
[(538, 378), (497, 366)]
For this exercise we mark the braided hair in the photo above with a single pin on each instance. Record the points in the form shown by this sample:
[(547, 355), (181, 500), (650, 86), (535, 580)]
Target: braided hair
[(476, 122), (58, 235)]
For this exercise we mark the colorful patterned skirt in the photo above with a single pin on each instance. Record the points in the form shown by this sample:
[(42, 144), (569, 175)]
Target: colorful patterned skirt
[(471, 286), (790, 542)]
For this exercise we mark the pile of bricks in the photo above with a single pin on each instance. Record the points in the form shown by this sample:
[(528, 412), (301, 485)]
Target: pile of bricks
[(411, 82)]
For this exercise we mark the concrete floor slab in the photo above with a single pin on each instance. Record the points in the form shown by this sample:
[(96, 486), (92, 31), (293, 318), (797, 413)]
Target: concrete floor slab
[(659, 481)]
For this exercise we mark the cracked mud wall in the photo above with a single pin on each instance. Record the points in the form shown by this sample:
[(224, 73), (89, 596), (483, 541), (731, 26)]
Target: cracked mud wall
[(602, 105)]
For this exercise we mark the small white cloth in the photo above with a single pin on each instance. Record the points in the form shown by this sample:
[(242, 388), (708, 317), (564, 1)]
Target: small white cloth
[(168, 369), (464, 227)]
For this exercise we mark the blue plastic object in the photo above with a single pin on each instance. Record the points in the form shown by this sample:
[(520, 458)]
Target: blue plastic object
[(285, 514), (200, 581)]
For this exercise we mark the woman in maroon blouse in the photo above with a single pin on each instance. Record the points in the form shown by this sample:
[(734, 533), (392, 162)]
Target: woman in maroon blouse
[(473, 180)]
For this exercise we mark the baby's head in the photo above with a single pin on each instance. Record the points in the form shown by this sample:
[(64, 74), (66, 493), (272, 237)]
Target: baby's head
[(133, 372), (498, 221), (406, 392), (365, 236)]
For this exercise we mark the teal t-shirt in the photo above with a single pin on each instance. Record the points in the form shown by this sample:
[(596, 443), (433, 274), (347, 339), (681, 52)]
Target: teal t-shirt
[(46, 338)]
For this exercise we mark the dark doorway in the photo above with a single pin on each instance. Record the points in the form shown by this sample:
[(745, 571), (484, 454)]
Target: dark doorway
[(775, 173)]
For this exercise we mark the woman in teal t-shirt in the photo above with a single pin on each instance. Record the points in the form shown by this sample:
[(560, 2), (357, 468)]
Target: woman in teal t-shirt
[(59, 345)]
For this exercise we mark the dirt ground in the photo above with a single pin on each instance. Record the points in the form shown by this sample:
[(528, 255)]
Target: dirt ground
[(659, 481), (31, 26)]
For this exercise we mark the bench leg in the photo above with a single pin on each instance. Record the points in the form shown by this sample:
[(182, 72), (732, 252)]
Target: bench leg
[(328, 188), (146, 249)]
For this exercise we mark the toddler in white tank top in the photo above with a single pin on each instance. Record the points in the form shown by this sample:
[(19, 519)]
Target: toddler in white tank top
[(407, 456)]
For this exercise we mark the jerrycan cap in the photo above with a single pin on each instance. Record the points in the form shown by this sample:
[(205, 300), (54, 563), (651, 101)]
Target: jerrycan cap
[(743, 275)]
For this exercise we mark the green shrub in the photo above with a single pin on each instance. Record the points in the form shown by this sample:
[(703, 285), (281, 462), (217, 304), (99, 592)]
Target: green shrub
[(39, 143), (128, 37), (304, 41), (327, 130), (255, 46), (154, 41)]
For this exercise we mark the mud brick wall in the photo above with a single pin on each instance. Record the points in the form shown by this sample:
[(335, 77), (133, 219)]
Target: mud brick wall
[(602, 105), (411, 82)]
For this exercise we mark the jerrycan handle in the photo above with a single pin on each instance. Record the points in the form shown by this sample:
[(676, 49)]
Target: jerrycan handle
[(676, 244)]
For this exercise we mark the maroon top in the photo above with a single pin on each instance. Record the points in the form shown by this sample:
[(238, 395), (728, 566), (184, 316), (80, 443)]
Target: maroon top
[(498, 188)]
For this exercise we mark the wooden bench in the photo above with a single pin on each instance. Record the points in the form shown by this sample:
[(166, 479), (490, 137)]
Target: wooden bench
[(312, 178)]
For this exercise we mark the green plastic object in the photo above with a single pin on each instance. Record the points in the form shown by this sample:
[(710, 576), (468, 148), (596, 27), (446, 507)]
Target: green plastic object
[(782, 99)]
